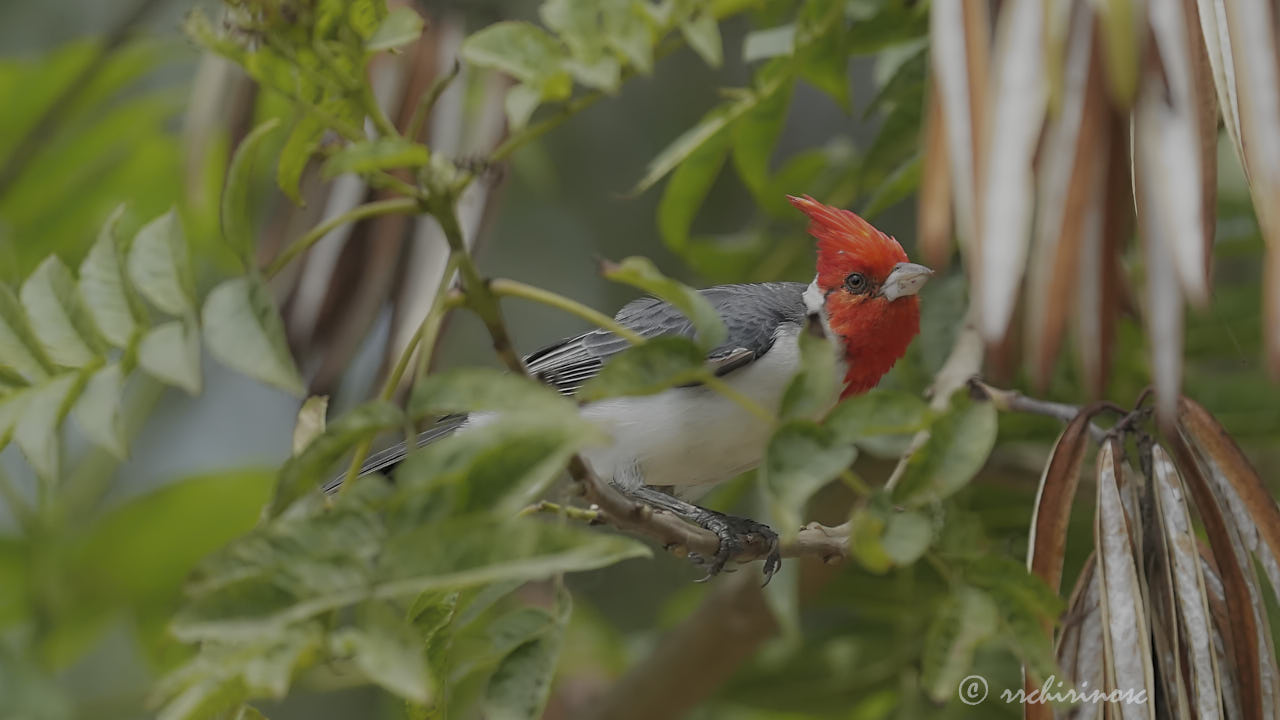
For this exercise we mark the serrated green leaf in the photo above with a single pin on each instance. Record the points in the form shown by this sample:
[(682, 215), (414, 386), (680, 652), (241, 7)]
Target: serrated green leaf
[(105, 291), (237, 219), (801, 458), (388, 650), (958, 445), (307, 471), (97, 412), (170, 353), (401, 26), (466, 556), (472, 389), (967, 618), (641, 273), (38, 430), (244, 331), (58, 317), (646, 369), (298, 148), (310, 423), (702, 32), (815, 387), (501, 467), (521, 685), (160, 266), (686, 191), (756, 134), (524, 51), (383, 153), (19, 348)]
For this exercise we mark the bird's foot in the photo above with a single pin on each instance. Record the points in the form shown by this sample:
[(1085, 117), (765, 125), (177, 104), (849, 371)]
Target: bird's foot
[(736, 534)]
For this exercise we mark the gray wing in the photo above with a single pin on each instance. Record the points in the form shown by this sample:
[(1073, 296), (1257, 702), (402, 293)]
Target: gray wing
[(752, 315)]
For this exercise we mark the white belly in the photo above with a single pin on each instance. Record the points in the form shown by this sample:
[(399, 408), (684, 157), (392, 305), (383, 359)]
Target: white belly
[(692, 438)]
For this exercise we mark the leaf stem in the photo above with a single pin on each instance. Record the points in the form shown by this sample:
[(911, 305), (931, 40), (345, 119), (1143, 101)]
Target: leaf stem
[(368, 210), (513, 288), (374, 108), (428, 102)]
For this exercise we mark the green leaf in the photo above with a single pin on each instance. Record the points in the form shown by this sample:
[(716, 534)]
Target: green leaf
[(906, 537), (19, 348), (298, 148), (1025, 604), (801, 458), (388, 650), (58, 317), (958, 445), (237, 216), (686, 191), (866, 531), (823, 55), (472, 389), (500, 467), (641, 272), (703, 35), (882, 422), (311, 421), (769, 43), (11, 408), (520, 687), (627, 29), (756, 134), (520, 103), (14, 581), (815, 386), (37, 431), (243, 329), (967, 617), (646, 369), (383, 153), (524, 51), (170, 353), (401, 26), (105, 291), (160, 266), (711, 124), (129, 554), (306, 471), (464, 554), (903, 181), (97, 412)]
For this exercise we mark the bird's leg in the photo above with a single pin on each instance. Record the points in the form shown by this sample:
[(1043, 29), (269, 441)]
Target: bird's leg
[(733, 532)]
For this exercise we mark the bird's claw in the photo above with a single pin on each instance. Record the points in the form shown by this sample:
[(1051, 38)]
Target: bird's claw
[(735, 534)]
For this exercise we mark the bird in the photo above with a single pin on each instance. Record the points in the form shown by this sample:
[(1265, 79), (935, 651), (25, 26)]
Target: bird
[(670, 448)]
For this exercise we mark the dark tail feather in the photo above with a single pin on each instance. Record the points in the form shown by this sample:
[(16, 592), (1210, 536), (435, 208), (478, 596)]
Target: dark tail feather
[(384, 461)]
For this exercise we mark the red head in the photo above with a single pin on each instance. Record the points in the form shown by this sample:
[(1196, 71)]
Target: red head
[(868, 290)]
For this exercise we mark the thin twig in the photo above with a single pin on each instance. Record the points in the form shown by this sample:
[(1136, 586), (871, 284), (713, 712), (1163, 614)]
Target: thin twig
[(1014, 401), (512, 288), (356, 214)]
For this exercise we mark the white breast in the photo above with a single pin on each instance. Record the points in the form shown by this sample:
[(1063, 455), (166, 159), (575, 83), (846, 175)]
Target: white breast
[(692, 438)]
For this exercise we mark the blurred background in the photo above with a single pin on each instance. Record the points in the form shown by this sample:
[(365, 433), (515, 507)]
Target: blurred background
[(151, 122)]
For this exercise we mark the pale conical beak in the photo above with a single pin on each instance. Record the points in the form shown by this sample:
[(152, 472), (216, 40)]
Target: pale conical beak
[(906, 279)]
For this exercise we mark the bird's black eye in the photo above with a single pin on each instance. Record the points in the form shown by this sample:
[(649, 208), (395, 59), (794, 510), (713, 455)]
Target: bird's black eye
[(856, 283)]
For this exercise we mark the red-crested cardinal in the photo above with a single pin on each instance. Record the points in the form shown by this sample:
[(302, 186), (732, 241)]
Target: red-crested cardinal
[(670, 448)]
